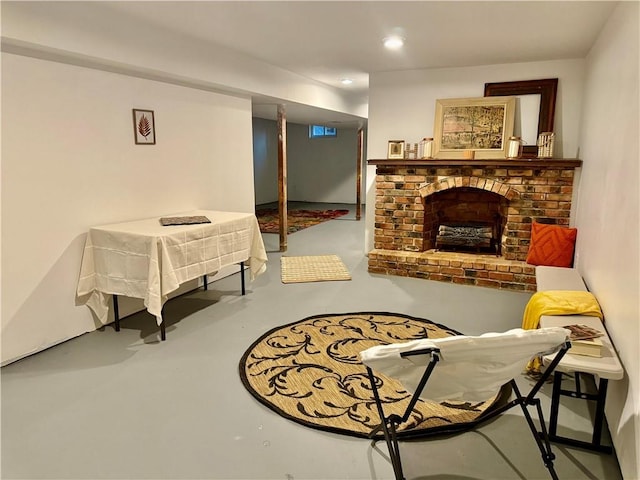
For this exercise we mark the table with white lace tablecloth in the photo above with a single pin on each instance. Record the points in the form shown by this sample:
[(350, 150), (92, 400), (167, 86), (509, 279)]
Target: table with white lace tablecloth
[(145, 259)]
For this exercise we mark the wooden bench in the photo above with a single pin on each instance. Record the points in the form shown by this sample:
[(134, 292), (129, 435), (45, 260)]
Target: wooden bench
[(605, 368)]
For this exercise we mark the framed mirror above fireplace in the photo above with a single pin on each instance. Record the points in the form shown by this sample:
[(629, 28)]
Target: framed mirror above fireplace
[(530, 92)]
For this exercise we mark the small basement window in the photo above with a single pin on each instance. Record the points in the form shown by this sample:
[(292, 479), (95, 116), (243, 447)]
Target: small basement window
[(320, 131)]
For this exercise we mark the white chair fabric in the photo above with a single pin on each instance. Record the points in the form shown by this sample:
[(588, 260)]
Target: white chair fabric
[(471, 368)]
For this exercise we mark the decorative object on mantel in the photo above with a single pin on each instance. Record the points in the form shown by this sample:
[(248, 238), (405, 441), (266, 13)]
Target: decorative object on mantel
[(514, 148), (425, 150), (479, 124), (144, 127), (411, 152), (546, 90), (395, 149), (545, 144)]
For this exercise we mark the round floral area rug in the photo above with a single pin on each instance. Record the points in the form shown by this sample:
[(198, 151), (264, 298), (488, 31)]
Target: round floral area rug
[(310, 372)]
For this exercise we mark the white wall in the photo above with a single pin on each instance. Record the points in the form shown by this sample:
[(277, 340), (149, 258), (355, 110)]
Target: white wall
[(265, 160), (402, 106), (321, 169), (608, 215), (124, 43), (318, 169), (69, 162)]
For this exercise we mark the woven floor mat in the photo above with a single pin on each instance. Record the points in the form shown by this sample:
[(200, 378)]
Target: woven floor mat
[(318, 268)]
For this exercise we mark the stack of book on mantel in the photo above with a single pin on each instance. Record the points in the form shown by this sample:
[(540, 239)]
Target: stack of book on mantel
[(585, 340)]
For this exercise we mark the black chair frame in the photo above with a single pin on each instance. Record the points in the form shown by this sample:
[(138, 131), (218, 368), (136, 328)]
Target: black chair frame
[(390, 424)]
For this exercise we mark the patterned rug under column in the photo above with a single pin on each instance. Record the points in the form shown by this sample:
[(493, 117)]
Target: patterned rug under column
[(269, 220)]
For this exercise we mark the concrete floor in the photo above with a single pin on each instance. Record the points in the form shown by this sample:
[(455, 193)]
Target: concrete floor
[(125, 405)]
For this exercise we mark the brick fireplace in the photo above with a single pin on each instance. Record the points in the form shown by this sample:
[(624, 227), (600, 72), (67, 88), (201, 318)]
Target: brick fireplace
[(414, 197)]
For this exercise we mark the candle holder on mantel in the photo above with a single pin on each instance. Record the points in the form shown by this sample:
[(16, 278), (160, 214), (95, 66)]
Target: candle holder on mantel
[(514, 148), (425, 149), (546, 142)]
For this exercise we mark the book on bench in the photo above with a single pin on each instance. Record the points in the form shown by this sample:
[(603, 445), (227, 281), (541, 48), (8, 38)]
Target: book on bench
[(590, 348), (585, 340)]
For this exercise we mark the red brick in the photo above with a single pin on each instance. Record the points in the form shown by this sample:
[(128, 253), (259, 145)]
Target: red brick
[(439, 277), (429, 268), (487, 283), (526, 279), (505, 277), (452, 271), (464, 281)]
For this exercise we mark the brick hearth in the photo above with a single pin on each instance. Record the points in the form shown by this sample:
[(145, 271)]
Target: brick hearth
[(464, 268), (409, 194)]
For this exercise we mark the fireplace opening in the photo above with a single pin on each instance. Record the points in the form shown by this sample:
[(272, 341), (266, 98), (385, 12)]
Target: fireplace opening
[(465, 218)]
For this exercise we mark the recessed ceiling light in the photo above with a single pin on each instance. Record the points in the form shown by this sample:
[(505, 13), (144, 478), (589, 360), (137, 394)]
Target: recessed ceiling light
[(346, 81), (394, 42)]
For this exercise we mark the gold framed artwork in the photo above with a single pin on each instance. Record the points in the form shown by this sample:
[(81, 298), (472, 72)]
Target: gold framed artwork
[(395, 149), (482, 125), (144, 127)]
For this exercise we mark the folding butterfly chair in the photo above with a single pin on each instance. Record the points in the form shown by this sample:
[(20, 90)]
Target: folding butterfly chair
[(465, 368)]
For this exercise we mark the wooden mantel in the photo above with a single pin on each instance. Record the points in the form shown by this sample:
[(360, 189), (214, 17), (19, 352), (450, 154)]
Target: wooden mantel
[(504, 162)]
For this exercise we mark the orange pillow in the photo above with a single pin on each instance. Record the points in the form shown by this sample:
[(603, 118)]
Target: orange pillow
[(551, 245)]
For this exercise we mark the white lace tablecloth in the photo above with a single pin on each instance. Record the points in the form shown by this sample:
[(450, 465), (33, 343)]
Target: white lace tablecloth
[(143, 259)]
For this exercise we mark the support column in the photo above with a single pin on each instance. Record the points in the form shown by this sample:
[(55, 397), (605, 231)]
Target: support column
[(359, 173), (282, 176)]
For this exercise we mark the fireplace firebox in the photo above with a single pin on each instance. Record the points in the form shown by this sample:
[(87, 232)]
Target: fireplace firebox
[(465, 219)]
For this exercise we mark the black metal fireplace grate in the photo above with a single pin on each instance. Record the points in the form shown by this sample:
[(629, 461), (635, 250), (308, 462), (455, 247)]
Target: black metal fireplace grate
[(467, 236)]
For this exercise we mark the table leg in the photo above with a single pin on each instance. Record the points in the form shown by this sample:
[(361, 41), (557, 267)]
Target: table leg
[(242, 276), (598, 422), (555, 404), (116, 313), (599, 419), (576, 377), (205, 284)]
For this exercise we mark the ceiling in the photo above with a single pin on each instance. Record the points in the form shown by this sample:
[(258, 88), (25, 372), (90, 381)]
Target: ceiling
[(330, 40)]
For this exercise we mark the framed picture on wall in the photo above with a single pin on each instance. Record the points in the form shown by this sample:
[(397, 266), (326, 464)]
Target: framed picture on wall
[(479, 125), (144, 127)]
